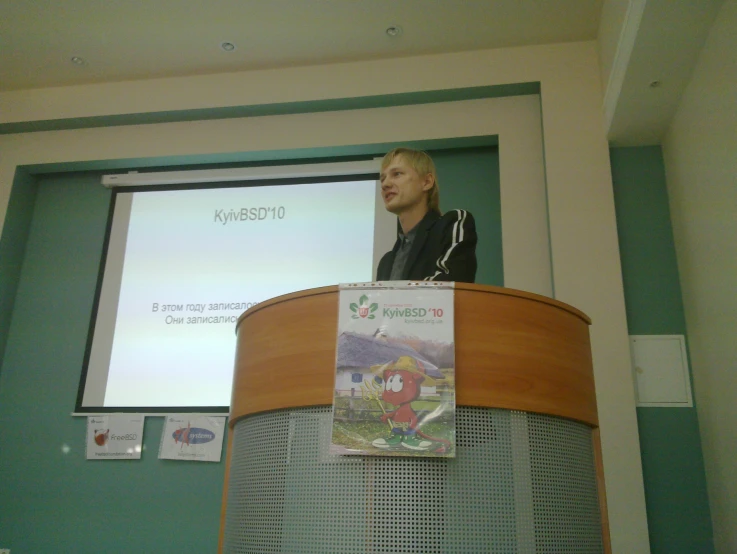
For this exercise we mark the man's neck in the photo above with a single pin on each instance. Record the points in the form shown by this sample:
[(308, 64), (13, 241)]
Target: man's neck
[(409, 220)]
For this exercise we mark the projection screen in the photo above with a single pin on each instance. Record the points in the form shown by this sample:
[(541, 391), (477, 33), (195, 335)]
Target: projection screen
[(182, 262)]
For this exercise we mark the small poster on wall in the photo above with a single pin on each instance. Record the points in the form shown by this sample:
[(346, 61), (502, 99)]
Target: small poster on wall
[(395, 370), (115, 437), (192, 437)]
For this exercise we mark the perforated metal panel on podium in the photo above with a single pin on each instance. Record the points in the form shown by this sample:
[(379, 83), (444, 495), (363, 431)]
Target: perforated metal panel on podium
[(527, 475)]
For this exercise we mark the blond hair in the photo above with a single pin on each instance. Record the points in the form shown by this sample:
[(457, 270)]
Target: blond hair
[(422, 163)]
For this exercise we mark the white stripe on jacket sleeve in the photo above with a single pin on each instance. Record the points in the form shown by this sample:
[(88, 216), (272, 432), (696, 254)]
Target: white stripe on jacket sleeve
[(458, 234)]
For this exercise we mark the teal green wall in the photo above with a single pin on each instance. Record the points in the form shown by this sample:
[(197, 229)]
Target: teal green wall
[(469, 179), (13, 247), (49, 256), (52, 501), (679, 521)]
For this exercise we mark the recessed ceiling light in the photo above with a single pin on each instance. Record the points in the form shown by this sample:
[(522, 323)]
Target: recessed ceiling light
[(394, 31), (227, 46), (76, 60)]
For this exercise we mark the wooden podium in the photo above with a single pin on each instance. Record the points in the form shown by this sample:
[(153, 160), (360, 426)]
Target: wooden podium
[(528, 465)]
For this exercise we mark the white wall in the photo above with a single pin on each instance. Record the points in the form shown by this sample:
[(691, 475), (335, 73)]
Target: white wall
[(580, 205), (700, 152), (618, 30), (612, 20)]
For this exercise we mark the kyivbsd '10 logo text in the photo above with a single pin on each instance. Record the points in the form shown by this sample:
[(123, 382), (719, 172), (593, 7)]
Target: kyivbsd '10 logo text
[(363, 309)]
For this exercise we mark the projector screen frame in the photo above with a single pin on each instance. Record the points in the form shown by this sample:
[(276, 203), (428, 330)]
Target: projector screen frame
[(237, 174)]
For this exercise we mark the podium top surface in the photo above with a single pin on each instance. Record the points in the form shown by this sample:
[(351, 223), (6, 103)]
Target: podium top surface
[(470, 287), (514, 350)]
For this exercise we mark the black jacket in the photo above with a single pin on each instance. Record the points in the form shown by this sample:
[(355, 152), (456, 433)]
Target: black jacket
[(444, 249)]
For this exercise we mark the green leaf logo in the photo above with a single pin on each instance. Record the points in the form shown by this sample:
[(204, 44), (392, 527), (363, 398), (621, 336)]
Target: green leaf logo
[(363, 309)]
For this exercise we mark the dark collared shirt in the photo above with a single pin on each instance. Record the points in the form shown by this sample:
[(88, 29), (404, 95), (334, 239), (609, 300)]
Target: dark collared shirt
[(400, 258)]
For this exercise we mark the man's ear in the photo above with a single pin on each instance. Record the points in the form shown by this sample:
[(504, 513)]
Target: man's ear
[(428, 182)]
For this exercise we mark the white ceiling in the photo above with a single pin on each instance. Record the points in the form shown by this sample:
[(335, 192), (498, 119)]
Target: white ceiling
[(667, 44), (141, 39), (138, 39)]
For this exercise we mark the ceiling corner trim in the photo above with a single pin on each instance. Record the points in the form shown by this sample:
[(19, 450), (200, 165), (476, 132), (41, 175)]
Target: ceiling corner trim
[(625, 46), (274, 109)]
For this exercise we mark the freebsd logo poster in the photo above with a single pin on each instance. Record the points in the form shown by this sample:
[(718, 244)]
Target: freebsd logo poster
[(115, 437)]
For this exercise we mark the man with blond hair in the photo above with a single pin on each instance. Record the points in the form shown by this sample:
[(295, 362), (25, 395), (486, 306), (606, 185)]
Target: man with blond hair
[(430, 246)]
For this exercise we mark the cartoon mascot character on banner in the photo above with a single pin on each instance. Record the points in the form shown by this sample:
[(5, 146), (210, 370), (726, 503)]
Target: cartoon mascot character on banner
[(403, 381)]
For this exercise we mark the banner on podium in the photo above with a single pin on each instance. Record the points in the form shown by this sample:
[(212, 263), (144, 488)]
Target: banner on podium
[(395, 370)]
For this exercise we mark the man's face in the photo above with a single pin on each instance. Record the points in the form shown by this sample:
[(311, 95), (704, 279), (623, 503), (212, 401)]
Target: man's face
[(402, 188)]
